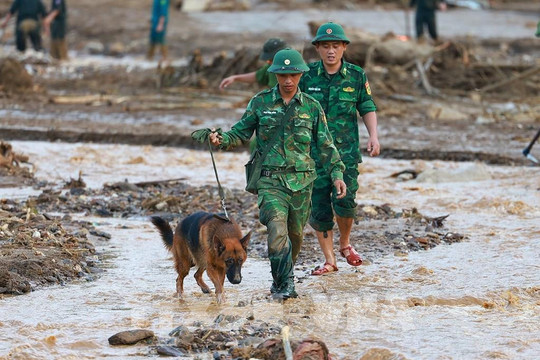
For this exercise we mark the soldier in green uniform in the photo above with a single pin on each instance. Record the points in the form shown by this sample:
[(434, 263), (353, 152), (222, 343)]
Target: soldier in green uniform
[(425, 15), (284, 189), (343, 90), (261, 76), (56, 23)]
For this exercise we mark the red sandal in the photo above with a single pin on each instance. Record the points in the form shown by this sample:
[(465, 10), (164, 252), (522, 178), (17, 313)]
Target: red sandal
[(353, 258), (325, 269)]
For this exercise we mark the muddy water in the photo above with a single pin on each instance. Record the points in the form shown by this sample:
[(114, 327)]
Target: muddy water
[(477, 299)]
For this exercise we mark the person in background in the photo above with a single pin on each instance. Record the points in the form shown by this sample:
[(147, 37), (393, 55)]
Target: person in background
[(343, 91), (261, 76), (55, 24), (293, 124), (29, 15), (158, 29), (425, 16)]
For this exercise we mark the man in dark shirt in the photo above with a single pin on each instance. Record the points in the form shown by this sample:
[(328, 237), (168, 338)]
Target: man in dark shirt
[(55, 22), (425, 15), (29, 13)]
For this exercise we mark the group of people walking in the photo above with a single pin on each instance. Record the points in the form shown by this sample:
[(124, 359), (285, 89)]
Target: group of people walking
[(32, 18), (311, 171)]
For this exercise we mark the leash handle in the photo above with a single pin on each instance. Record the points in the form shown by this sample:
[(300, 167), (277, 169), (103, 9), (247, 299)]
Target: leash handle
[(220, 189)]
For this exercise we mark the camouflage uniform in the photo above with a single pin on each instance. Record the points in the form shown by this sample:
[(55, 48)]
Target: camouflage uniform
[(284, 195), (341, 95)]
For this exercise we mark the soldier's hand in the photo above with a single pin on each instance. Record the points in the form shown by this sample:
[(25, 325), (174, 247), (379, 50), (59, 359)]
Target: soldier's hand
[(341, 188), (373, 147), (215, 138), (226, 82)]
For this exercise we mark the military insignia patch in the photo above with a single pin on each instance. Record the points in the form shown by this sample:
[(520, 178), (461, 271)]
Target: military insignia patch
[(368, 89), (304, 116), (328, 31), (348, 89), (287, 61)]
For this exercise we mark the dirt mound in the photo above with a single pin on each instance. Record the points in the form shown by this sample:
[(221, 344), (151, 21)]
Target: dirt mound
[(14, 77), (39, 249)]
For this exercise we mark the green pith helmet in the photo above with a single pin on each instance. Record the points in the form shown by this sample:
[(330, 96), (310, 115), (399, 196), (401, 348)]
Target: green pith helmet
[(330, 32), (538, 29), (288, 61), (271, 47)]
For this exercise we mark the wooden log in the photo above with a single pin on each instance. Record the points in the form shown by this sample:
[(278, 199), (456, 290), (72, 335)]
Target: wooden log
[(523, 75)]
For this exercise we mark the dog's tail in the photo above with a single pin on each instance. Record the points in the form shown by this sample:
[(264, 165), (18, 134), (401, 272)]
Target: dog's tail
[(165, 230)]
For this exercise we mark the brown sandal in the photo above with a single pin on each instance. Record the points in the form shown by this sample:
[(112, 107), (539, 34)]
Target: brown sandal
[(353, 258), (325, 269)]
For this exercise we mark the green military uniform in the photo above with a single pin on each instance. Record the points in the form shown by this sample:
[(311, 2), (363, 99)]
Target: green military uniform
[(425, 15), (284, 190), (265, 78), (341, 95)]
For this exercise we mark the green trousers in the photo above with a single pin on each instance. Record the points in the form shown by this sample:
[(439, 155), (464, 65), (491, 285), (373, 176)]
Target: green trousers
[(285, 214)]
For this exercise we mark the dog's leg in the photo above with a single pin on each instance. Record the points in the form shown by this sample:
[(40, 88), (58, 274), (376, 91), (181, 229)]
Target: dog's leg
[(198, 277), (218, 278), (180, 286)]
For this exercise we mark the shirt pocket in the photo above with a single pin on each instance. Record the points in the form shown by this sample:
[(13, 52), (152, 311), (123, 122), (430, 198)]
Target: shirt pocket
[(347, 99), (303, 130), (268, 124)]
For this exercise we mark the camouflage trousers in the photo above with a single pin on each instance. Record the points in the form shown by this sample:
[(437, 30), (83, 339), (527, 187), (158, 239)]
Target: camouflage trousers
[(285, 214), (325, 202)]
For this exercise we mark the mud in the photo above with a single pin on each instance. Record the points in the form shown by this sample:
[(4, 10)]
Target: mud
[(41, 242)]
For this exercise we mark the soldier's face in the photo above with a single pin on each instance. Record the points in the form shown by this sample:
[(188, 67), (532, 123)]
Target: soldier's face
[(331, 52), (288, 83)]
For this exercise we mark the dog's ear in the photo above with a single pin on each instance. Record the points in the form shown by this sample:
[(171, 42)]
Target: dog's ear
[(245, 240), (218, 245)]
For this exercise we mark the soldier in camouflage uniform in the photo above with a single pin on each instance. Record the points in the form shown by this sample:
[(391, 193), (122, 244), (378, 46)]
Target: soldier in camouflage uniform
[(342, 89), (285, 186)]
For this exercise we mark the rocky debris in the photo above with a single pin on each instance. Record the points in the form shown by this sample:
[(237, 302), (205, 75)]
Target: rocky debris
[(382, 230), (37, 249), (131, 337)]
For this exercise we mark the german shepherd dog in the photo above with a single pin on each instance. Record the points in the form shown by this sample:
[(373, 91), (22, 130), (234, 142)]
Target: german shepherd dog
[(211, 243)]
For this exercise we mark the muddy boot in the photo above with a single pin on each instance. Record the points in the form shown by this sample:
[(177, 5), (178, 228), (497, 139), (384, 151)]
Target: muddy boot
[(286, 291)]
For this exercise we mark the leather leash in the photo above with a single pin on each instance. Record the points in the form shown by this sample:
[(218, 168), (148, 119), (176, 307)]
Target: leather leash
[(220, 189)]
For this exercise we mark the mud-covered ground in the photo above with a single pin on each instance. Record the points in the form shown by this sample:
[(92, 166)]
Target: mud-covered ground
[(123, 102), (110, 100)]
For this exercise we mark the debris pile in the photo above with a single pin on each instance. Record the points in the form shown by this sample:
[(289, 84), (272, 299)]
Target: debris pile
[(38, 249), (10, 162), (14, 77)]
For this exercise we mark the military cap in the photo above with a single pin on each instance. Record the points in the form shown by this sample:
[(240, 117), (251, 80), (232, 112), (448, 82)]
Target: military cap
[(288, 61), (330, 32), (271, 47)]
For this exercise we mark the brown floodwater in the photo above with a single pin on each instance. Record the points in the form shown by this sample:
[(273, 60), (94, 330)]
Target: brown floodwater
[(475, 299)]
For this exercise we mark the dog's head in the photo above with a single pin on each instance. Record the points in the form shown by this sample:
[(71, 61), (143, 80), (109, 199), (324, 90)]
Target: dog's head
[(233, 252)]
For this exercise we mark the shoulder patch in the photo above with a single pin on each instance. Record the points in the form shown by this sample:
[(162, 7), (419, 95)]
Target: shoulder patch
[(368, 89)]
